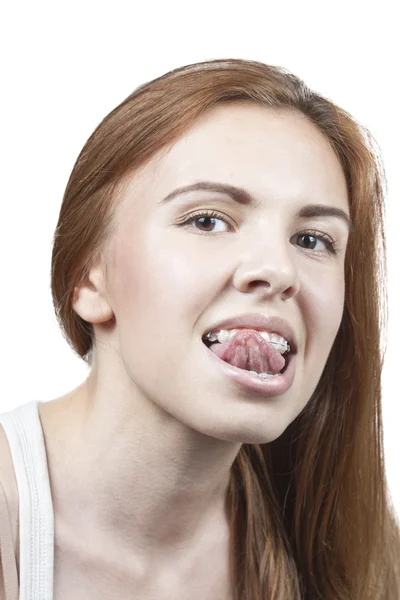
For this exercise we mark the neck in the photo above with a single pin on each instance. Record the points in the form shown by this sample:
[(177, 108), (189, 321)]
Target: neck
[(125, 469)]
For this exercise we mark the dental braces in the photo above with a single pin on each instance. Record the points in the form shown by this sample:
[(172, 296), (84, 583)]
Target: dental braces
[(213, 337)]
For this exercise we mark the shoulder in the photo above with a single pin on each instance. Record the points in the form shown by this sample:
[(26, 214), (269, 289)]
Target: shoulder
[(9, 483)]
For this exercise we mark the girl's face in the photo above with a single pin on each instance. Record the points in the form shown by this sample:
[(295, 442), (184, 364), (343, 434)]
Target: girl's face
[(172, 274)]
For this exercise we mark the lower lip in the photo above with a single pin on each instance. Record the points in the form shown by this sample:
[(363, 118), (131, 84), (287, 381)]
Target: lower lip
[(274, 386)]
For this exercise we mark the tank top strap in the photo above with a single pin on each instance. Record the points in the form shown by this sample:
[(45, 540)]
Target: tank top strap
[(36, 517), (7, 557)]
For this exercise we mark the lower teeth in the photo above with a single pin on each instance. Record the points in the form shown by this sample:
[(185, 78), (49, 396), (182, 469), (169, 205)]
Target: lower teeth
[(264, 375)]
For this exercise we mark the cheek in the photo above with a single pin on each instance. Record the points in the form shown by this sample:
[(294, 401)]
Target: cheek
[(322, 307), (156, 287), (332, 299), (325, 309), (157, 300)]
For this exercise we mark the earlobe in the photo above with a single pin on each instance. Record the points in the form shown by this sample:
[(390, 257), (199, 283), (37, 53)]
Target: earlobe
[(89, 300)]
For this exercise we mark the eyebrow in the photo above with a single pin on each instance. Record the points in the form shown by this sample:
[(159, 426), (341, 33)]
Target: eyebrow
[(242, 196)]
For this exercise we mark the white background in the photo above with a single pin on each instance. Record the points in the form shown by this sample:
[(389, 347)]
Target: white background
[(66, 65)]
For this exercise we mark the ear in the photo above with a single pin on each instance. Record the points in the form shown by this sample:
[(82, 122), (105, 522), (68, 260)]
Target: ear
[(90, 301)]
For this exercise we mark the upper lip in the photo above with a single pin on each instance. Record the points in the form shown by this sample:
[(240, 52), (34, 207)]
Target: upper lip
[(259, 323)]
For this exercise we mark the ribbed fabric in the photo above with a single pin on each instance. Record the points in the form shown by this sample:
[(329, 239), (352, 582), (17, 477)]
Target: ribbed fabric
[(36, 518), (8, 563)]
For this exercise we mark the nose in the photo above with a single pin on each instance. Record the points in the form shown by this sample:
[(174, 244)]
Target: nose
[(267, 268)]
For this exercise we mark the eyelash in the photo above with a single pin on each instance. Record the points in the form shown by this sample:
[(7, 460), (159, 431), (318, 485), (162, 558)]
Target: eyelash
[(332, 247)]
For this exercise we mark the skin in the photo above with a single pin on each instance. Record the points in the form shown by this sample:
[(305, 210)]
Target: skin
[(156, 426)]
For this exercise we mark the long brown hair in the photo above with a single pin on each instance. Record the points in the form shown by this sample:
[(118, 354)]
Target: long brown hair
[(310, 513)]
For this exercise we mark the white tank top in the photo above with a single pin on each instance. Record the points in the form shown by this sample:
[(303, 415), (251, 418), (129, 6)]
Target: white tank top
[(24, 432)]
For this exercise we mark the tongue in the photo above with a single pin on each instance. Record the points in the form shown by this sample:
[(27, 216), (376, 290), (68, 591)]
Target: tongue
[(248, 350)]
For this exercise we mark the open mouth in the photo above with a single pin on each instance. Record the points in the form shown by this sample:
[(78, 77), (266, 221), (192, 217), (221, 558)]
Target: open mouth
[(286, 355)]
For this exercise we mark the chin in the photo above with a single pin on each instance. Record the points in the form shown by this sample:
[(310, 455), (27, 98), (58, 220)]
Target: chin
[(235, 434)]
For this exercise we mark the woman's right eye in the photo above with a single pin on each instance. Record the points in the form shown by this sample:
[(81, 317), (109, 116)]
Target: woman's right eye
[(208, 217)]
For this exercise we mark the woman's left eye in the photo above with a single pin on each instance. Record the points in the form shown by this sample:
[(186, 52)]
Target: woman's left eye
[(210, 216)]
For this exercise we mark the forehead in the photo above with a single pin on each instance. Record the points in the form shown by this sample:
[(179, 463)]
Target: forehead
[(276, 155)]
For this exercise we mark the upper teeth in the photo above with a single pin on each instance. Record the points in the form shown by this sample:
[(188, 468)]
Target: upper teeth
[(225, 335)]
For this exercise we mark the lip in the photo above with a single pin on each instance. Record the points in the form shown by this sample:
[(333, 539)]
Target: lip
[(259, 323), (268, 388)]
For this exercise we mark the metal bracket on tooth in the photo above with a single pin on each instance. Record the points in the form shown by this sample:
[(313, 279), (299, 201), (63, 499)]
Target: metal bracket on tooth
[(212, 337)]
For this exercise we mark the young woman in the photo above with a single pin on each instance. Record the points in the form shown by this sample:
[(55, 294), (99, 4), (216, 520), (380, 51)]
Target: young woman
[(219, 263)]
